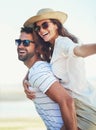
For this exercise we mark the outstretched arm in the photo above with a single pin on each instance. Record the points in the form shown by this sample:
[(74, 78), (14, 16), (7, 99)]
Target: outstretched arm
[(58, 93), (85, 50)]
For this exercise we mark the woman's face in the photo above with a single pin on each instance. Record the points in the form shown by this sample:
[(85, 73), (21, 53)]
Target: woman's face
[(47, 30)]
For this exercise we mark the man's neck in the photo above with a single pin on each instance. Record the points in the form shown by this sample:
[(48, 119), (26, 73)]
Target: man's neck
[(30, 62)]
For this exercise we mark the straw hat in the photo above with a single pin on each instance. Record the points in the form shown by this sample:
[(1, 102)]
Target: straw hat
[(46, 13)]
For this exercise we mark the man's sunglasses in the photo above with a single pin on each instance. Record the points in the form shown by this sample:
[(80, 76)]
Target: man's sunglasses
[(24, 42), (44, 25)]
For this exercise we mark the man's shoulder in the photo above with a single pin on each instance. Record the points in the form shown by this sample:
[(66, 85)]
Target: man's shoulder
[(40, 66), (41, 75)]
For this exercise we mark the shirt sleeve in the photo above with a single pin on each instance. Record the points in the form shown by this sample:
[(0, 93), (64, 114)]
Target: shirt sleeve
[(42, 77), (66, 45)]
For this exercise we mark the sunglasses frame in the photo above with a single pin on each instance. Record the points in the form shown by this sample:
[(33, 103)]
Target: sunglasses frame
[(44, 25), (24, 42)]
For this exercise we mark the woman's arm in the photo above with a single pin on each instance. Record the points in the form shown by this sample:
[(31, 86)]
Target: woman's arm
[(59, 94), (85, 50)]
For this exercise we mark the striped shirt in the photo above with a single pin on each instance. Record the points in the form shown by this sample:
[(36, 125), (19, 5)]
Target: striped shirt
[(41, 78)]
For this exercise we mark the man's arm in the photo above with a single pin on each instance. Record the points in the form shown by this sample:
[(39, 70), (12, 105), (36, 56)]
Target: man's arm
[(85, 50), (58, 93)]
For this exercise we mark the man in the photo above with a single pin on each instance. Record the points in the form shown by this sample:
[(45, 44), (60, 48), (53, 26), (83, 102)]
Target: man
[(52, 102)]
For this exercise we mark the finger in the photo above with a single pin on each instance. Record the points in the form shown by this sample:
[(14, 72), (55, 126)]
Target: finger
[(27, 91), (30, 96), (30, 93), (26, 84)]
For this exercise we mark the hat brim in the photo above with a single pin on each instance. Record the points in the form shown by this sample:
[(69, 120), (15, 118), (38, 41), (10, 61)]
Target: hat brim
[(61, 16)]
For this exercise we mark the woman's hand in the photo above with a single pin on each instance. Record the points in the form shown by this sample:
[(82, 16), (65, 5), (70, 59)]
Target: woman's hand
[(29, 93)]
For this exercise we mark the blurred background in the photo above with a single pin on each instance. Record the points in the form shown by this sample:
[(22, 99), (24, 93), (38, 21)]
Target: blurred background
[(16, 111)]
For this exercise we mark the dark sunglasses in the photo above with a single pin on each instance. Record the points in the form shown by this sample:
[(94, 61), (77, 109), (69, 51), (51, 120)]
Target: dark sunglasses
[(24, 42), (44, 25)]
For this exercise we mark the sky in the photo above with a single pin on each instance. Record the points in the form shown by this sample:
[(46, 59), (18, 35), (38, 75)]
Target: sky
[(13, 13)]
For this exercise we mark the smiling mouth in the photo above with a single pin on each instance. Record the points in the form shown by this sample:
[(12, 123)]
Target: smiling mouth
[(20, 52), (45, 34)]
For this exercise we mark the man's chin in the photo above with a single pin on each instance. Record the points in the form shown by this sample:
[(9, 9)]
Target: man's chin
[(22, 58)]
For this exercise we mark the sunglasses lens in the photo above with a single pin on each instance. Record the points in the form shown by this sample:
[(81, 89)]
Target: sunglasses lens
[(26, 42), (45, 25), (17, 42), (37, 28)]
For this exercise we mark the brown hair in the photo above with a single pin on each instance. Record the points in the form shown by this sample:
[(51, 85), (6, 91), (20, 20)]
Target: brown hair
[(62, 31), (44, 49), (48, 48), (41, 49)]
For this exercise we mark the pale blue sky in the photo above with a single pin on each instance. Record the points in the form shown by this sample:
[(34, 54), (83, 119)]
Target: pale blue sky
[(13, 13)]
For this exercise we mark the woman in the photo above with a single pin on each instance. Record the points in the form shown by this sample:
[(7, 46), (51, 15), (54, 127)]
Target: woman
[(67, 62)]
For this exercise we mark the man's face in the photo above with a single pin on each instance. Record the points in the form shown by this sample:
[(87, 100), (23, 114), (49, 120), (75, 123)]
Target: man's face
[(25, 53)]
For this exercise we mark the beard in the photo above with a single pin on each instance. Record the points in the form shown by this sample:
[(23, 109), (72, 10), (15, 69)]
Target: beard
[(25, 56)]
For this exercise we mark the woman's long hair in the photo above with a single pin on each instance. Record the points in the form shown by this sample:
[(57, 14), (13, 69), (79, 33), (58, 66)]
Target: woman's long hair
[(44, 50), (62, 31), (47, 47), (41, 49)]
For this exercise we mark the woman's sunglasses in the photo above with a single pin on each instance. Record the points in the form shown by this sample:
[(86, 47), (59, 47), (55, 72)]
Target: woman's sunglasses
[(44, 25), (24, 42)]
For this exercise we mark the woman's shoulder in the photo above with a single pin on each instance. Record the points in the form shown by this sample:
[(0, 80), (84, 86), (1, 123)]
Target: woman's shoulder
[(63, 42), (63, 39)]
